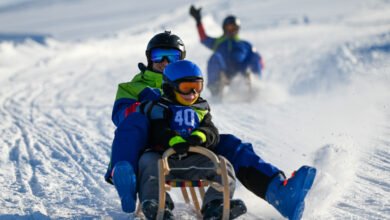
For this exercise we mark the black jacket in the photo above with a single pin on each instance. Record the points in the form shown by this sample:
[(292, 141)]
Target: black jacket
[(159, 114)]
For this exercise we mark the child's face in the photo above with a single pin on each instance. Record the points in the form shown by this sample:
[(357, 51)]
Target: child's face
[(187, 92), (187, 99)]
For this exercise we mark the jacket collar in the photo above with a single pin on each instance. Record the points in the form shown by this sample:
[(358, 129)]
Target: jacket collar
[(153, 78)]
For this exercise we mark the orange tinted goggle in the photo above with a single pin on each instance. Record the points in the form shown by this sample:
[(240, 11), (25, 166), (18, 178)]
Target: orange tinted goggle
[(190, 87)]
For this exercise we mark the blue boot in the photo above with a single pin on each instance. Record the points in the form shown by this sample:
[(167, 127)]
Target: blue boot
[(125, 183), (287, 196)]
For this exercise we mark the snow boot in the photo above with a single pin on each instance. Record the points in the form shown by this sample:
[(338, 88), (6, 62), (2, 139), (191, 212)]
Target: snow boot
[(214, 209), (150, 208), (125, 183), (287, 195)]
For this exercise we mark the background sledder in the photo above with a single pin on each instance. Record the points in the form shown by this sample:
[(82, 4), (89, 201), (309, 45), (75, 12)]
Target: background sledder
[(178, 120), (232, 57)]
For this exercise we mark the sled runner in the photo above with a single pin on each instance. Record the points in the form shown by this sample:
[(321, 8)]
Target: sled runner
[(219, 164)]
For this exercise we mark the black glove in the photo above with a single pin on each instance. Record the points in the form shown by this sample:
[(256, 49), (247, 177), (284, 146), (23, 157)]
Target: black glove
[(180, 145), (181, 148), (196, 138), (195, 13)]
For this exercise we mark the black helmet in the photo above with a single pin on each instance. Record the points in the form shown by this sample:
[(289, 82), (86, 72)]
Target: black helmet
[(166, 40), (231, 19)]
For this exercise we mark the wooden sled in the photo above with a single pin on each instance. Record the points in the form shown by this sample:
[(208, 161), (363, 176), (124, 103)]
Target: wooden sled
[(165, 186)]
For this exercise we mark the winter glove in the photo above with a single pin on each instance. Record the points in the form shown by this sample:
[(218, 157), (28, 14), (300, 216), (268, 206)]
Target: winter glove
[(196, 138), (149, 94), (179, 144), (195, 13)]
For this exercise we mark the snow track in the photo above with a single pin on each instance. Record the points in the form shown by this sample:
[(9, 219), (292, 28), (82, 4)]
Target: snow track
[(51, 159)]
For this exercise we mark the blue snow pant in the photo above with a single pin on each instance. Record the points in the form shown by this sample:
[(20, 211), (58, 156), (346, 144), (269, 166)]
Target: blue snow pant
[(129, 142), (216, 65), (253, 172)]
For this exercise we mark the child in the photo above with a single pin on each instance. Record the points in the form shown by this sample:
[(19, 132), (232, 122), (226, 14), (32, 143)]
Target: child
[(180, 119)]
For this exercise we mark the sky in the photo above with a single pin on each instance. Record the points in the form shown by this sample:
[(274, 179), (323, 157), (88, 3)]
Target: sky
[(322, 100)]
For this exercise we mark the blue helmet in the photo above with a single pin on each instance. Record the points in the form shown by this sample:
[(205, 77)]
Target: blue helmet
[(174, 73), (181, 70)]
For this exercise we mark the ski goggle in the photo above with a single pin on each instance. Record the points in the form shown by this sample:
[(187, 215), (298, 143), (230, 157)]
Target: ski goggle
[(157, 55), (188, 87)]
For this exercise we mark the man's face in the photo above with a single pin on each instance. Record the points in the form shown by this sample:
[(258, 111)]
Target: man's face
[(231, 30), (159, 67), (161, 57)]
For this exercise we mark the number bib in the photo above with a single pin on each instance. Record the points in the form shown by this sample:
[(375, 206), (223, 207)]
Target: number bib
[(184, 120)]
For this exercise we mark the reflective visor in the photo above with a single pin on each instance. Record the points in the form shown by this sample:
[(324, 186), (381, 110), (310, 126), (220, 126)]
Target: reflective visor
[(157, 55), (187, 87)]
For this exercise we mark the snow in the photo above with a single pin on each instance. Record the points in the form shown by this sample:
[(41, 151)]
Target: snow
[(323, 99)]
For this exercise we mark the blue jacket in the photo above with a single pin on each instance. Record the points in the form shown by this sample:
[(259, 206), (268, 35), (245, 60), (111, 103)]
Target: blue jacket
[(239, 55)]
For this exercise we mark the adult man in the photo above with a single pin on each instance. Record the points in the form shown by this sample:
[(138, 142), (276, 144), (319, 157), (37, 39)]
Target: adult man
[(231, 56), (132, 134)]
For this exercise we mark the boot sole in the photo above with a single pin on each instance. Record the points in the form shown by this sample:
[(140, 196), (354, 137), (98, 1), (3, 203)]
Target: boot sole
[(308, 182)]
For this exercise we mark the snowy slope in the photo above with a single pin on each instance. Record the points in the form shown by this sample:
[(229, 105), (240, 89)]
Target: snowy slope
[(323, 99)]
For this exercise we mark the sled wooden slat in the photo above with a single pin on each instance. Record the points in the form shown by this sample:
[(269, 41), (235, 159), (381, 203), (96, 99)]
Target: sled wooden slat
[(202, 192), (185, 194), (194, 198), (162, 190), (219, 164)]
